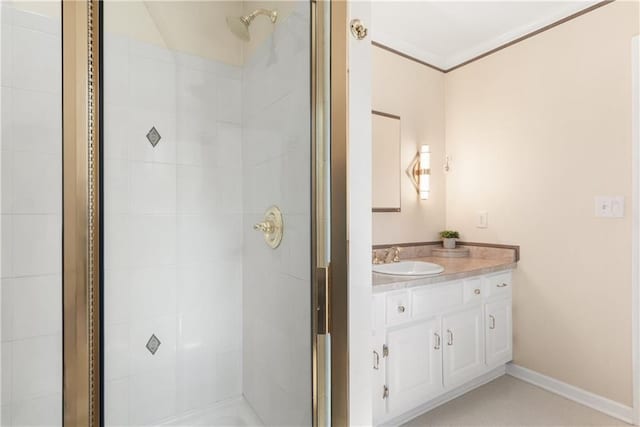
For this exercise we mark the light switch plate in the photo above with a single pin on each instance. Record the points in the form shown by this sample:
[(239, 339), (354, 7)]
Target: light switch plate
[(609, 206), (603, 206), (483, 219)]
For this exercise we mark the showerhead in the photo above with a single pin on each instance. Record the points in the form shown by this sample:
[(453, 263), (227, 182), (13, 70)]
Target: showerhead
[(240, 25)]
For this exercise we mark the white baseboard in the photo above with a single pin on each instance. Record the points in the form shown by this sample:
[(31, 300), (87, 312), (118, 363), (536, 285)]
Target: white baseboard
[(448, 396), (586, 398)]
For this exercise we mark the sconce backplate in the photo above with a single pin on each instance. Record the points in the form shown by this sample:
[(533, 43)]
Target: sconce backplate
[(413, 171)]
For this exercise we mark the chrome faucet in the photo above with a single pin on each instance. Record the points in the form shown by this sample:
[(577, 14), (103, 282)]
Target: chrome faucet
[(392, 251)]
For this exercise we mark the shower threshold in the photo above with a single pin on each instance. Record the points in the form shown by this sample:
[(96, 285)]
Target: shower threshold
[(234, 412)]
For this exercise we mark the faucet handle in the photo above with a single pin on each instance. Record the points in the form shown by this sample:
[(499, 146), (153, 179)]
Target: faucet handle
[(396, 254)]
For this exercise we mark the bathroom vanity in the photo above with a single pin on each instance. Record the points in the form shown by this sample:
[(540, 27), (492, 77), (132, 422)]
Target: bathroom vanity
[(437, 337)]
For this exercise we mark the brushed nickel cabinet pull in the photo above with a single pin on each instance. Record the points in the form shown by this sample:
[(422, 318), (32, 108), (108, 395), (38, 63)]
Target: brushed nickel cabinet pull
[(492, 324), (450, 334), (476, 291), (376, 360), (504, 285), (401, 309), (437, 337)]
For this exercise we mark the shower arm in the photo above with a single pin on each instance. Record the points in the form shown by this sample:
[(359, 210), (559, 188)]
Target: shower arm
[(271, 14)]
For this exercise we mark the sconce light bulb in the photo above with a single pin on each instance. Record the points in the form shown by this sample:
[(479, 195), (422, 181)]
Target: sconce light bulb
[(425, 159), (425, 172)]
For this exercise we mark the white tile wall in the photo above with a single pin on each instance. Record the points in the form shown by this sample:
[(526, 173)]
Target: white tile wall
[(277, 289), (173, 227), (31, 229)]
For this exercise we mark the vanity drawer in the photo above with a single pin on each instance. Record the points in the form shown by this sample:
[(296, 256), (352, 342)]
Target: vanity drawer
[(397, 307), (473, 290), (498, 284), (435, 299)]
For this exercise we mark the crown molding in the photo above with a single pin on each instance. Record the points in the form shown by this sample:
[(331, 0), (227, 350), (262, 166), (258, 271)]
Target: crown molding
[(445, 65)]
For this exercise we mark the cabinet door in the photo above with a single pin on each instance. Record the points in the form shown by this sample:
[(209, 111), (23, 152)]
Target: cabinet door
[(414, 364), (379, 380), (498, 331), (463, 342)]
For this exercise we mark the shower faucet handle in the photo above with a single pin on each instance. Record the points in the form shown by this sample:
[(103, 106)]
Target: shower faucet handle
[(264, 226), (272, 227)]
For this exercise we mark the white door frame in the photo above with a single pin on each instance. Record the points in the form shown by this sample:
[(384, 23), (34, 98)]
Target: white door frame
[(635, 274), (359, 216)]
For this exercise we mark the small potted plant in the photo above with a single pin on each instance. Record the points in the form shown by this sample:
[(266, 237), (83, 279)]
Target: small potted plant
[(449, 238)]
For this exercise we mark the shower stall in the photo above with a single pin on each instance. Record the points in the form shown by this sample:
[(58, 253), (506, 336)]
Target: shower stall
[(166, 222), (206, 126)]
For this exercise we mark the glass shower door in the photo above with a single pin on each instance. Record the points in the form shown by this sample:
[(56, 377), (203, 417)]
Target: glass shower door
[(207, 125)]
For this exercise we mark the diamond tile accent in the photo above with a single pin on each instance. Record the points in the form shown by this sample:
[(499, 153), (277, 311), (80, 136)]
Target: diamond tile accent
[(153, 344), (154, 136)]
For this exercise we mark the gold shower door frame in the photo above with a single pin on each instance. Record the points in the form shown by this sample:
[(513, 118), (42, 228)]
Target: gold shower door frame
[(81, 118), (80, 213)]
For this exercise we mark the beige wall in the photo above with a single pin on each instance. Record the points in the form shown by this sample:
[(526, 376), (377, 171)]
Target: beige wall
[(416, 94), (195, 27), (535, 132)]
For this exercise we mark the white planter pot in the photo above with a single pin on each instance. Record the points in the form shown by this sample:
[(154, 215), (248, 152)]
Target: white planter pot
[(449, 243)]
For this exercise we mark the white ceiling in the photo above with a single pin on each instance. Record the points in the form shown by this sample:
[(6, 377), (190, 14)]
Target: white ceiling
[(447, 33)]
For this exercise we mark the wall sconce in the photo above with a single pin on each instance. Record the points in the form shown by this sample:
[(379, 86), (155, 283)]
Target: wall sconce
[(419, 171)]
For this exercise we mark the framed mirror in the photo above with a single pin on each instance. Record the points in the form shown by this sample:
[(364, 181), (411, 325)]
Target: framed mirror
[(386, 168)]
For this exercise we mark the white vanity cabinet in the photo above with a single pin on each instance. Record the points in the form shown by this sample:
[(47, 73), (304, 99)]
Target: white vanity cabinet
[(433, 340), (414, 368), (463, 356), (499, 345)]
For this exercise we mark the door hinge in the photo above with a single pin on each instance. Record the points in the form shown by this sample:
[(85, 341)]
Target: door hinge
[(385, 350), (385, 391)]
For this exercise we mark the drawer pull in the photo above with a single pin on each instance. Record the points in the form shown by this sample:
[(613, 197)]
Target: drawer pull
[(450, 334), (437, 337), (476, 291), (401, 309), (504, 285), (492, 324), (376, 360)]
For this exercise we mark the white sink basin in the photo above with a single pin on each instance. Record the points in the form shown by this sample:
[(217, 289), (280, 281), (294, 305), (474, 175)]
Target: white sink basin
[(408, 268)]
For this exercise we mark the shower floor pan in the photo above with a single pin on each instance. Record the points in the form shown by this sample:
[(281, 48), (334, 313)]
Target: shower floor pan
[(234, 412)]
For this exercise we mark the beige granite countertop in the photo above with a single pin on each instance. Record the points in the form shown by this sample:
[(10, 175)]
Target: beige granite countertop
[(454, 268)]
